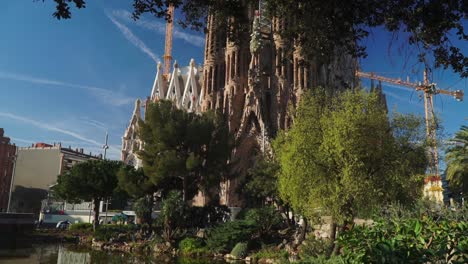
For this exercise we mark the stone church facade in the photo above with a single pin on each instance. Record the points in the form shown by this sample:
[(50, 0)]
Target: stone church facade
[(255, 79)]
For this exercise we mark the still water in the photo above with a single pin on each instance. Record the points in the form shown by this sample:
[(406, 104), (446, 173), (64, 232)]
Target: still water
[(69, 254)]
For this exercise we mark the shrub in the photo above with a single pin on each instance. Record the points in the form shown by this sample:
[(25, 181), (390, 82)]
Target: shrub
[(225, 236), (173, 216), (265, 218), (143, 208), (207, 216), (192, 246), (407, 241), (272, 253), (81, 227), (313, 247), (322, 260), (106, 232), (240, 250)]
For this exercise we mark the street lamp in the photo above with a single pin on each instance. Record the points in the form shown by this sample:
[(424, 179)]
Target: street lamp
[(105, 147)]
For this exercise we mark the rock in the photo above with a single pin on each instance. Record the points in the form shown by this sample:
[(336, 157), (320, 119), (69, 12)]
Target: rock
[(138, 236), (293, 258), (282, 244), (201, 233), (97, 244), (289, 247), (162, 249), (267, 261)]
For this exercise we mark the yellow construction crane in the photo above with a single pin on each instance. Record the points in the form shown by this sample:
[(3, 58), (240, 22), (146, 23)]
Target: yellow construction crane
[(429, 90), (168, 45)]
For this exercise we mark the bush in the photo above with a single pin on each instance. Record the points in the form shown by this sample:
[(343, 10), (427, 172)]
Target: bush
[(322, 260), (422, 240), (240, 250), (173, 216), (272, 253), (313, 247), (81, 227), (266, 219), (192, 246), (106, 232), (207, 216), (225, 236), (143, 209)]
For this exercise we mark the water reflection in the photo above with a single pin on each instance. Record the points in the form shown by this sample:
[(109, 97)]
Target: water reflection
[(69, 254)]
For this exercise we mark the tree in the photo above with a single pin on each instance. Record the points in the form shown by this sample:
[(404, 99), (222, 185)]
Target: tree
[(140, 187), (457, 162), (321, 26), (261, 182), (340, 157), (63, 8), (92, 180), (173, 215), (409, 155), (183, 151)]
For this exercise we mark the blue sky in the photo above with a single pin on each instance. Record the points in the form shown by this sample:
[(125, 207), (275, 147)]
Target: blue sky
[(70, 81)]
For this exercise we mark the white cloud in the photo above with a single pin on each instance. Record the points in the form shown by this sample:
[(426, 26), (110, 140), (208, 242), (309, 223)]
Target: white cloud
[(95, 123), (128, 34), (102, 94), (49, 141), (114, 150), (160, 28)]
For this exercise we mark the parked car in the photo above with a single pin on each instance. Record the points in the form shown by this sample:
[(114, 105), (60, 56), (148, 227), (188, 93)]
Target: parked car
[(63, 224)]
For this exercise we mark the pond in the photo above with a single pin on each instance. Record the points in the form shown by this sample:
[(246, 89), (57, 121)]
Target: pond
[(66, 253)]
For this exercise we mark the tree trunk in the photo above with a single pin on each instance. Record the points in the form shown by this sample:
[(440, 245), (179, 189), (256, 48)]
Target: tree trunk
[(305, 226), (343, 229), (184, 188), (333, 228), (96, 213), (285, 210), (148, 218)]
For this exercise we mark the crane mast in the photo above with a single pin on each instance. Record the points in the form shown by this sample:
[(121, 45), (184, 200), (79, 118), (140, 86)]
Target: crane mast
[(168, 45), (429, 90)]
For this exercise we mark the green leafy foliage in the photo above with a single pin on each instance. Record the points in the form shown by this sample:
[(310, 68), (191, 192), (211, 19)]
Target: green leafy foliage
[(240, 250), (94, 180), (265, 218), (429, 27), (457, 163), (81, 227), (314, 248), (63, 8), (207, 216), (323, 260), (422, 240), (261, 183), (192, 246), (134, 181), (272, 253), (173, 216), (341, 157), (106, 232), (143, 208), (225, 236), (183, 148)]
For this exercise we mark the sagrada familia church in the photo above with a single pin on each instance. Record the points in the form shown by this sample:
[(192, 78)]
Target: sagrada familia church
[(254, 78)]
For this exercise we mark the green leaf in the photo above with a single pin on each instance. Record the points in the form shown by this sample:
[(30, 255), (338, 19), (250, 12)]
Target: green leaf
[(417, 228)]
